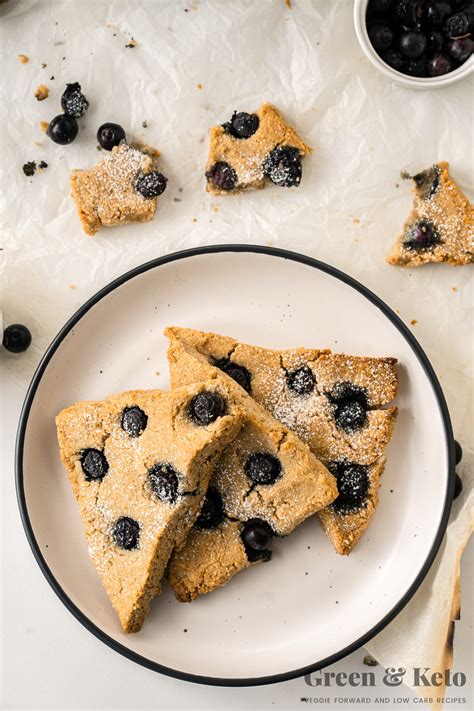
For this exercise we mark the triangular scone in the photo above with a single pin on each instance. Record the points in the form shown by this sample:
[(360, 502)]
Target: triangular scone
[(107, 194), (440, 227), (334, 402), (265, 483), (268, 150), (139, 464)]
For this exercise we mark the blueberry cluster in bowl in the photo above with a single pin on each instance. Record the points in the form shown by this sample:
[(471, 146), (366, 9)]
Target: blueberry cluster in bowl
[(422, 38)]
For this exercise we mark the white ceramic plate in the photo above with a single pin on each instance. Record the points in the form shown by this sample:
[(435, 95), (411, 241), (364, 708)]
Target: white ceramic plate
[(308, 607)]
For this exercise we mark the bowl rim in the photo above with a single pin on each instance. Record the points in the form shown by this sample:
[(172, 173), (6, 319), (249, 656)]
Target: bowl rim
[(360, 7), (276, 253)]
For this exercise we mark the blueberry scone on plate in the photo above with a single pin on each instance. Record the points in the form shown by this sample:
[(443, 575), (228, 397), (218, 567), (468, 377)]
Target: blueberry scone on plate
[(252, 150), (337, 404), (139, 465), (440, 227), (264, 484)]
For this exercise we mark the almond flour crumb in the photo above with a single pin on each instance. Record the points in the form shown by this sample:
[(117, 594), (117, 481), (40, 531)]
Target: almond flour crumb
[(413, 322), (72, 286), (199, 86), (42, 92), (23, 59), (453, 289), (43, 126)]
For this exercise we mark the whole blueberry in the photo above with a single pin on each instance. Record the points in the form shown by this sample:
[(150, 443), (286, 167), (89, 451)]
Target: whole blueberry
[(409, 13), (439, 65), (151, 184), (437, 12), (301, 381), (94, 464), (126, 533), (413, 44), (242, 124), (16, 338), (222, 175), (134, 421), (457, 25), (457, 486), (283, 166), (212, 511), (63, 129), (110, 135), (393, 59), (468, 10), (417, 67), (381, 37), (164, 482), (461, 49), (257, 536), (421, 236), (379, 7), (73, 101), (457, 452), (206, 407), (435, 42), (262, 468)]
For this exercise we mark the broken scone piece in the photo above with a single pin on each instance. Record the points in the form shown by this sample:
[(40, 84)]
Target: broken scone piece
[(139, 465), (265, 483), (252, 149), (336, 403), (440, 227), (123, 187)]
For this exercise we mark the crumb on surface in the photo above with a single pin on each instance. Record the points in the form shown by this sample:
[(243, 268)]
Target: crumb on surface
[(413, 322), (453, 289), (43, 65), (42, 92), (157, 372), (37, 143), (23, 58), (132, 43), (72, 286), (356, 220), (194, 219), (42, 165), (145, 124), (370, 661), (288, 4), (43, 126), (199, 86)]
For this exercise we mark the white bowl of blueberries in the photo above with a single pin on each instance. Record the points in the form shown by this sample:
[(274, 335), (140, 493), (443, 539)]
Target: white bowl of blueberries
[(417, 43)]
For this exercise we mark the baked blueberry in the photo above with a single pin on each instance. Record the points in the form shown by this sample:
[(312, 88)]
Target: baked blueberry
[(164, 482), (212, 512), (439, 65), (241, 125), (110, 135), (237, 372), (427, 182), (301, 381), (283, 166), (461, 49), (126, 533), (352, 484), (381, 37), (134, 421), (437, 12), (421, 236), (457, 25), (262, 468), (413, 44), (73, 101), (94, 464), (350, 406), (257, 536), (206, 407), (151, 184), (63, 129), (16, 338), (222, 175)]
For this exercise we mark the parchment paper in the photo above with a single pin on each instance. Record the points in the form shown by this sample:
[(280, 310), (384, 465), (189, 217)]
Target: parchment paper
[(193, 64)]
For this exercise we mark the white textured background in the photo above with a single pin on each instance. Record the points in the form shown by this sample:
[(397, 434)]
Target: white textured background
[(347, 212)]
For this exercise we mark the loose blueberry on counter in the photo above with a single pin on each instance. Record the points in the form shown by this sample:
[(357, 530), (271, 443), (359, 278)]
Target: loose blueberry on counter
[(352, 484), (94, 464), (110, 135), (151, 184), (134, 421), (237, 372), (16, 338), (126, 533), (212, 512), (262, 468), (206, 407), (457, 486), (283, 166), (301, 381), (73, 101), (241, 125), (257, 536), (457, 452), (63, 129), (164, 482), (351, 405), (222, 175), (421, 236)]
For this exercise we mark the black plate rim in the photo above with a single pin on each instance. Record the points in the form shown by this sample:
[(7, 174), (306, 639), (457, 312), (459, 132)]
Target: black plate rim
[(23, 422)]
